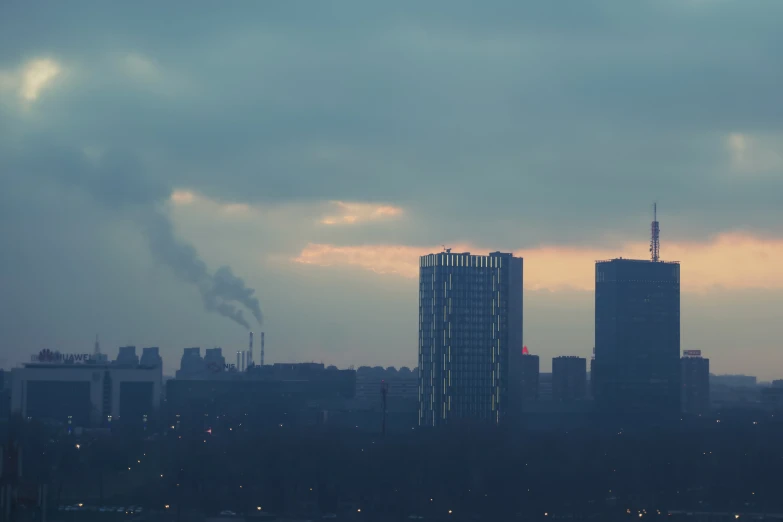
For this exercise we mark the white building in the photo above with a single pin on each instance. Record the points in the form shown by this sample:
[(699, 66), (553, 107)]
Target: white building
[(86, 394)]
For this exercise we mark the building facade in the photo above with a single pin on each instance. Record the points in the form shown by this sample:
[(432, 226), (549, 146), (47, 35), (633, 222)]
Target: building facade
[(569, 378), (86, 395), (470, 337), (637, 337), (695, 383), (529, 377)]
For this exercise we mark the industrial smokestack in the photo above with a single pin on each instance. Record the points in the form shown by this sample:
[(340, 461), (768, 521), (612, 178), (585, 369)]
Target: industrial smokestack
[(239, 362), (262, 349), (243, 361), (250, 351)]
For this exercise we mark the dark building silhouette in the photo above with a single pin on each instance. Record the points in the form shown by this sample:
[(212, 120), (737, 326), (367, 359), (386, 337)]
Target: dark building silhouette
[(772, 396), (151, 357), (470, 337), (192, 365), (695, 383), (569, 378), (288, 394), (127, 356), (637, 337), (214, 361), (529, 373)]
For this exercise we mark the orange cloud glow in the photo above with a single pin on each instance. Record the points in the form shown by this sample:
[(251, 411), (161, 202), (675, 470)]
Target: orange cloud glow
[(351, 213), (183, 197), (732, 261)]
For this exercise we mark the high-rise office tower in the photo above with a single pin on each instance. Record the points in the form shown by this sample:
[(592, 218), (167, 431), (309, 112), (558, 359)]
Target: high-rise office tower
[(695, 382), (569, 378), (470, 337), (637, 336), (529, 370)]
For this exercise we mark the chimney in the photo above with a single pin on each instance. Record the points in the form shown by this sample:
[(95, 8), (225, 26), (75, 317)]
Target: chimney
[(262, 349), (250, 351)]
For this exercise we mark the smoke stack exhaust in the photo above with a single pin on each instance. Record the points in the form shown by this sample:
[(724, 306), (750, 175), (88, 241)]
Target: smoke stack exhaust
[(250, 351), (262, 349)]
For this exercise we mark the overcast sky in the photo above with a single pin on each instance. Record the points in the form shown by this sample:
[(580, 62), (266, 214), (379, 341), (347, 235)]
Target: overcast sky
[(318, 148)]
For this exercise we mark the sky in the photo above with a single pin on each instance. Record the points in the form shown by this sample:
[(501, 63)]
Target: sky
[(172, 171)]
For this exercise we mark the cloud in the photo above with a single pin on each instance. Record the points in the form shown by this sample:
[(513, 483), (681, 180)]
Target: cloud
[(753, 154), (354, 213), (36, 75), (520, 127), (183, 197), (140, 67), (733, 261), (31, 79)]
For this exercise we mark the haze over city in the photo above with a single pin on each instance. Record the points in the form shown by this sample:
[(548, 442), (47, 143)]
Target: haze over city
[(319, 149)]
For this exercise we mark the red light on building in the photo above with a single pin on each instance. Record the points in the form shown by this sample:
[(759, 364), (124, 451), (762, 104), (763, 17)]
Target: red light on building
[(524, 351)]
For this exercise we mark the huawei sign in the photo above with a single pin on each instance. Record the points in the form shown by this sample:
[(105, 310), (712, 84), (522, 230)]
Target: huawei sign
[(216, 367), (48, 356)]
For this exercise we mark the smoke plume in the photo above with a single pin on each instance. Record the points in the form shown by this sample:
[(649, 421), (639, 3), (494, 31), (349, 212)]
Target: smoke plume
[(119, 181), (219, 290)]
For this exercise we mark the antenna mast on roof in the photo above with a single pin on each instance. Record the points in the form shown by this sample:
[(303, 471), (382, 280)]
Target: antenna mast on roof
[(655, 240)]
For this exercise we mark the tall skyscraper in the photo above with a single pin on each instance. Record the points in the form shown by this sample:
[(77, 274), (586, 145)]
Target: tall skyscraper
[(695, 383), (637, 336), (470, 337), (569, 378)]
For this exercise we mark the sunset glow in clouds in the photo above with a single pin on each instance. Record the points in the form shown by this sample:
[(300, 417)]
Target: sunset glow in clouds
[(351, 213), (322, 167), (731, 261), (30, 80)]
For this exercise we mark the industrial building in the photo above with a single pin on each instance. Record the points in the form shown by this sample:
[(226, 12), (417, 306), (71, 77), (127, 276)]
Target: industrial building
[(291, 394), (569, 378), (470, 337), (637, 335), (88, 393), (401, 385)]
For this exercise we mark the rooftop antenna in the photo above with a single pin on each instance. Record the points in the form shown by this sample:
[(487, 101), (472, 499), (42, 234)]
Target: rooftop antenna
[(97, 345), (655, 240), (447, 250)]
